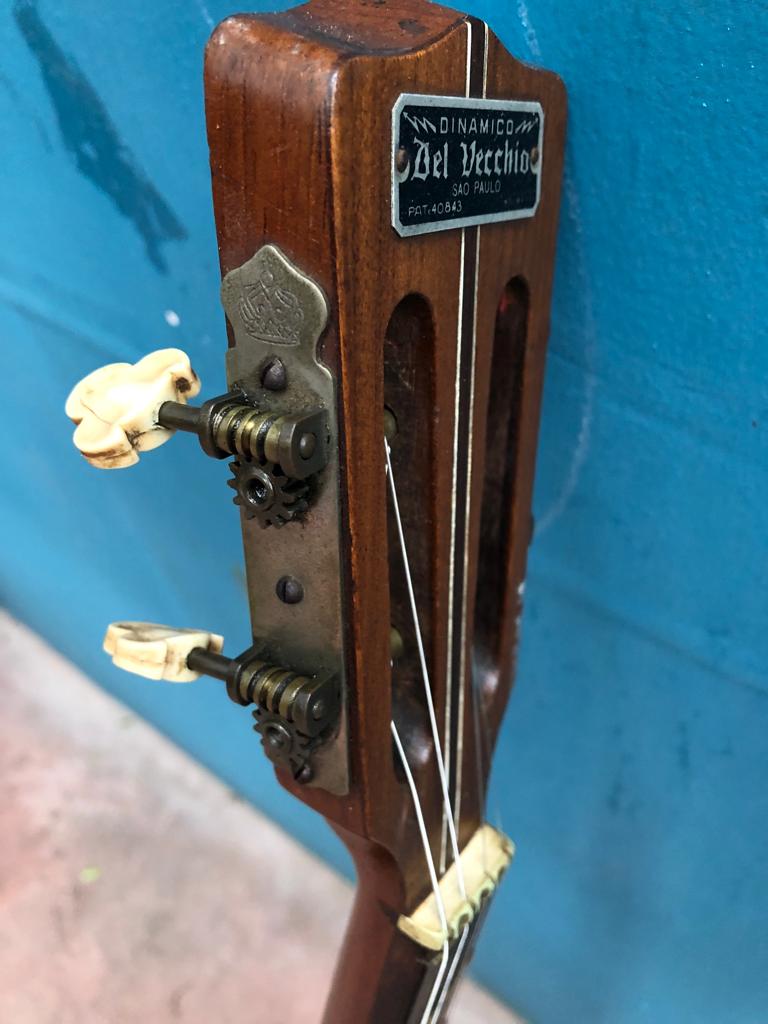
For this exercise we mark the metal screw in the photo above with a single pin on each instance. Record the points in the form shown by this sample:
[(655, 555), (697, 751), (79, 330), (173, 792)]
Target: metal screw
[(305, 775), (307, 444), (401, 159), (277, 737), (318, 710), (289, 590), (274, 376), (534, 156)]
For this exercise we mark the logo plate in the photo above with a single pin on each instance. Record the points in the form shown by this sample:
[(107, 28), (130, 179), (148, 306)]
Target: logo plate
[(458, 162)]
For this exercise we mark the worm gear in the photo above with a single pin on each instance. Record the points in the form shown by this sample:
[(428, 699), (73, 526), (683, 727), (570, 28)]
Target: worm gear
[(266, 494)]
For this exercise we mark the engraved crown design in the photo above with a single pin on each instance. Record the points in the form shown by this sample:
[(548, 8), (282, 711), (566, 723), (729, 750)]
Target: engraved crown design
[(271, 312)]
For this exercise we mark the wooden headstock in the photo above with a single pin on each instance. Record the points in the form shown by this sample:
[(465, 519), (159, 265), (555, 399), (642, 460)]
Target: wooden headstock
[(446, 330), (386, 185)]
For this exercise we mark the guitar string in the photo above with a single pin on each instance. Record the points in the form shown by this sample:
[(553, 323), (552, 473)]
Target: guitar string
[(478, 698), (449, 975), (467, 497), (446, 800), (467, 523), (441, 984), (443, 979), (426, 1016), (451, 817), (452, 559), (456, 960)]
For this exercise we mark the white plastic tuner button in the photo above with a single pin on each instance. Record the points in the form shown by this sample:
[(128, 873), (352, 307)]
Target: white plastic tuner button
[(116, 407), (157, 652)]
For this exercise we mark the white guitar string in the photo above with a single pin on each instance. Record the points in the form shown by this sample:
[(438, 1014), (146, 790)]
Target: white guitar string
[(449, 976), (452, 559), (482, 743), (447, 810), (465, 576), (426, 1016), (468, 504), (476, 724)]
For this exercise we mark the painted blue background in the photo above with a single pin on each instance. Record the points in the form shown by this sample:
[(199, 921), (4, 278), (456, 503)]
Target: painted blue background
[(633, 763)]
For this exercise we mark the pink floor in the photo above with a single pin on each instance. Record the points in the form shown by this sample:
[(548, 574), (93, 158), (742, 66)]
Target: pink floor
[(129, 876)]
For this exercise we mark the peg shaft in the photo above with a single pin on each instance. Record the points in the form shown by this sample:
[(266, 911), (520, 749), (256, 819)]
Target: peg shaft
[(176, 416), (206, 662)]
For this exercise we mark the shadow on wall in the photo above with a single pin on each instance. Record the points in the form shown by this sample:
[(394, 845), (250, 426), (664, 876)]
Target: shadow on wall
[(89, 134)]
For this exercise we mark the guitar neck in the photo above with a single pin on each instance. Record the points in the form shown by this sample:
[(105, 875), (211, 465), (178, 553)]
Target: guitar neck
[(381, 975)]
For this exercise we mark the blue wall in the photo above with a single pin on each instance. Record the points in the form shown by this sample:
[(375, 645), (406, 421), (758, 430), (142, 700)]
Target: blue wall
[(633, 763)]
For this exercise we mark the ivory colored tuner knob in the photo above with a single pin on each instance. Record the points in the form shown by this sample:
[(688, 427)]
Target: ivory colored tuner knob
[(116, 407), (158, 652)]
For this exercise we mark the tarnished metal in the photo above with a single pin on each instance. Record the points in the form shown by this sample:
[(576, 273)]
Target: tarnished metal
[(270, 300), (268, 437), (265, 494), (227, 425), (277, 313), (295, 713)]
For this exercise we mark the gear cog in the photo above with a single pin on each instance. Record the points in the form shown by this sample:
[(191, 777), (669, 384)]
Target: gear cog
[(266, 494), (284, 745)]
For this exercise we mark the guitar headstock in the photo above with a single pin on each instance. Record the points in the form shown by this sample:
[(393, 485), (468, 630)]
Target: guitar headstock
[(386, 188)]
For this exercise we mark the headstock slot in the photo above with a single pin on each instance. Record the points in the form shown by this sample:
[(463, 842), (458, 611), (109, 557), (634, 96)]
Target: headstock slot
[(502, 436), (409, 395)]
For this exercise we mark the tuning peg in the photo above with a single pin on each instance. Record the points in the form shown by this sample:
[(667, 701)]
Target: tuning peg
[(116, 408), (160, 652), (293, 711), (126, 408)]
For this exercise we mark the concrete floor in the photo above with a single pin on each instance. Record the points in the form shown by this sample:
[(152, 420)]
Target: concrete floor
[(110, 838)]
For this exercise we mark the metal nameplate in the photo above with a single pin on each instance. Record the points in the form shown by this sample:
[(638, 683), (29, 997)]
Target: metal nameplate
[(457, 162)]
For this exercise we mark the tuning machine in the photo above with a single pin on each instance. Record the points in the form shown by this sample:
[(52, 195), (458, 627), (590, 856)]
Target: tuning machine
[(278, 423), (124, 409), (294, 711)]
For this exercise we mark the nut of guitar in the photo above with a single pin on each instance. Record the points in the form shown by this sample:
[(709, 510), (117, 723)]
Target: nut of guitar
[(484, 860), (116, 407)]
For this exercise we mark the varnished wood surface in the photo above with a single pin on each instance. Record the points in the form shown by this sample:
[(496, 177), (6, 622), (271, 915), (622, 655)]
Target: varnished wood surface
[(299, 113)]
